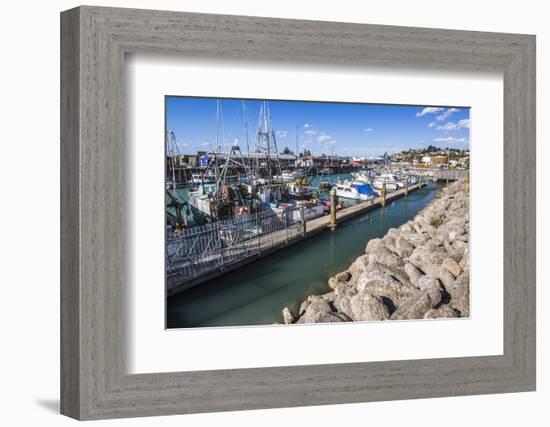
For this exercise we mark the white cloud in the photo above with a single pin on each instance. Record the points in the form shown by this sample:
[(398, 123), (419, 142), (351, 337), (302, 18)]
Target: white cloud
[(461, 124), (307, 125), (181, 145), (324, 138), (282, 133), (450, 140), (368, 129), (429, 110), (465, 123), (431, 125), (205, 144), (447, 126), (310, 132), (447, 114)]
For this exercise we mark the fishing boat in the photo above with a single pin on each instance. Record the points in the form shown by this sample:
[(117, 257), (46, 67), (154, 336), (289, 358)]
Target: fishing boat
[(207, 178), (233, 187), (205, 200), (391, 181), (298, 191), (355, 191), (288, 175), (224, 195), (309, 209)]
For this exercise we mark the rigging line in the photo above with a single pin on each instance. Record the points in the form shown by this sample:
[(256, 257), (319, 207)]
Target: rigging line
[(297, 139), (234, 121), (245, 118), (222, 124)]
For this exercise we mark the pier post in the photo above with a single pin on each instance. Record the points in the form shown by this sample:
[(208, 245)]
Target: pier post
[(383, 194), (332, 208), (406, 187), (303, 219), (419, 181)]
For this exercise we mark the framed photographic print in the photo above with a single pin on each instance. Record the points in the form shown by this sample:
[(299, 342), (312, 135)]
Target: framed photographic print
[(230, 206), (261, 213)]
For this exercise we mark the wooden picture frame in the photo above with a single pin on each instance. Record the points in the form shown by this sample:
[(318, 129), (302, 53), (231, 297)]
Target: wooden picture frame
[(94, 41)]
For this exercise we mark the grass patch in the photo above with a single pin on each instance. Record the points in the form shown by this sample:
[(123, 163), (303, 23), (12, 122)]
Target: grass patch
[(436, 221)]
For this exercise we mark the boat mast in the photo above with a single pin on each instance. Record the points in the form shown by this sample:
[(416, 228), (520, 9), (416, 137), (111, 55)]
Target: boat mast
[(217, 151), (267, 141), (218, 142), (172, 152), (258, 142), (297, 126), (266, 136), (245, 117), (274, 148)]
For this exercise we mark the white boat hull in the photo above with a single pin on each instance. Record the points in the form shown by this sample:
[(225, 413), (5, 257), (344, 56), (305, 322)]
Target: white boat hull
[(352, 196), (201, 202), (309, 213), (390, 186)]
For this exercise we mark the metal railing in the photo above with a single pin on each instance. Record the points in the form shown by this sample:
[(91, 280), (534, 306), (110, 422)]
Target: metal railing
[(204, 249)]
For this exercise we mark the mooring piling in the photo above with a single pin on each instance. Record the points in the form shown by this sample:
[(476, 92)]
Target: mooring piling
[(332, 208)]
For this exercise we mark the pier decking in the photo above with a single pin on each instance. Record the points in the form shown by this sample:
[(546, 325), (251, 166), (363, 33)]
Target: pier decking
[(218, 260), (318, 224)]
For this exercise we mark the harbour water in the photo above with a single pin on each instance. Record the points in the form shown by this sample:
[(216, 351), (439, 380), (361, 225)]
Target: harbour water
[(256, 293)]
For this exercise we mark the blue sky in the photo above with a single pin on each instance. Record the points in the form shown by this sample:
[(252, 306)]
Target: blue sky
[(345, 129)]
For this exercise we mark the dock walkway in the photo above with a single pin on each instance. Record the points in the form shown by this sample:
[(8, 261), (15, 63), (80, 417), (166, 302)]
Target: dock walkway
[(222, 260), (318, 224)]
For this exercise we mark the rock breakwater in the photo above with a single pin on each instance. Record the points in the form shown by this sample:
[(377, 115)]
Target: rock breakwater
[(420, 270)]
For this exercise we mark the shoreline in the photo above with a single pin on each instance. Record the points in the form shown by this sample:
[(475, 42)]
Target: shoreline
[(417, 271)]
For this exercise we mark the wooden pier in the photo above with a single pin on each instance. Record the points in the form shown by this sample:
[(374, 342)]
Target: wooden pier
[(280, 239), (319, 224)]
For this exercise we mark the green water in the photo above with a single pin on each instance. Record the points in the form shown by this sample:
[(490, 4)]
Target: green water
[(256, 293)]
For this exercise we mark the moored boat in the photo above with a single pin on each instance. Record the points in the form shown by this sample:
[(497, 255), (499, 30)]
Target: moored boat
[(288, 175), (391, 181), (355, 190), (198, 179), (297, 191), (363, 176)]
